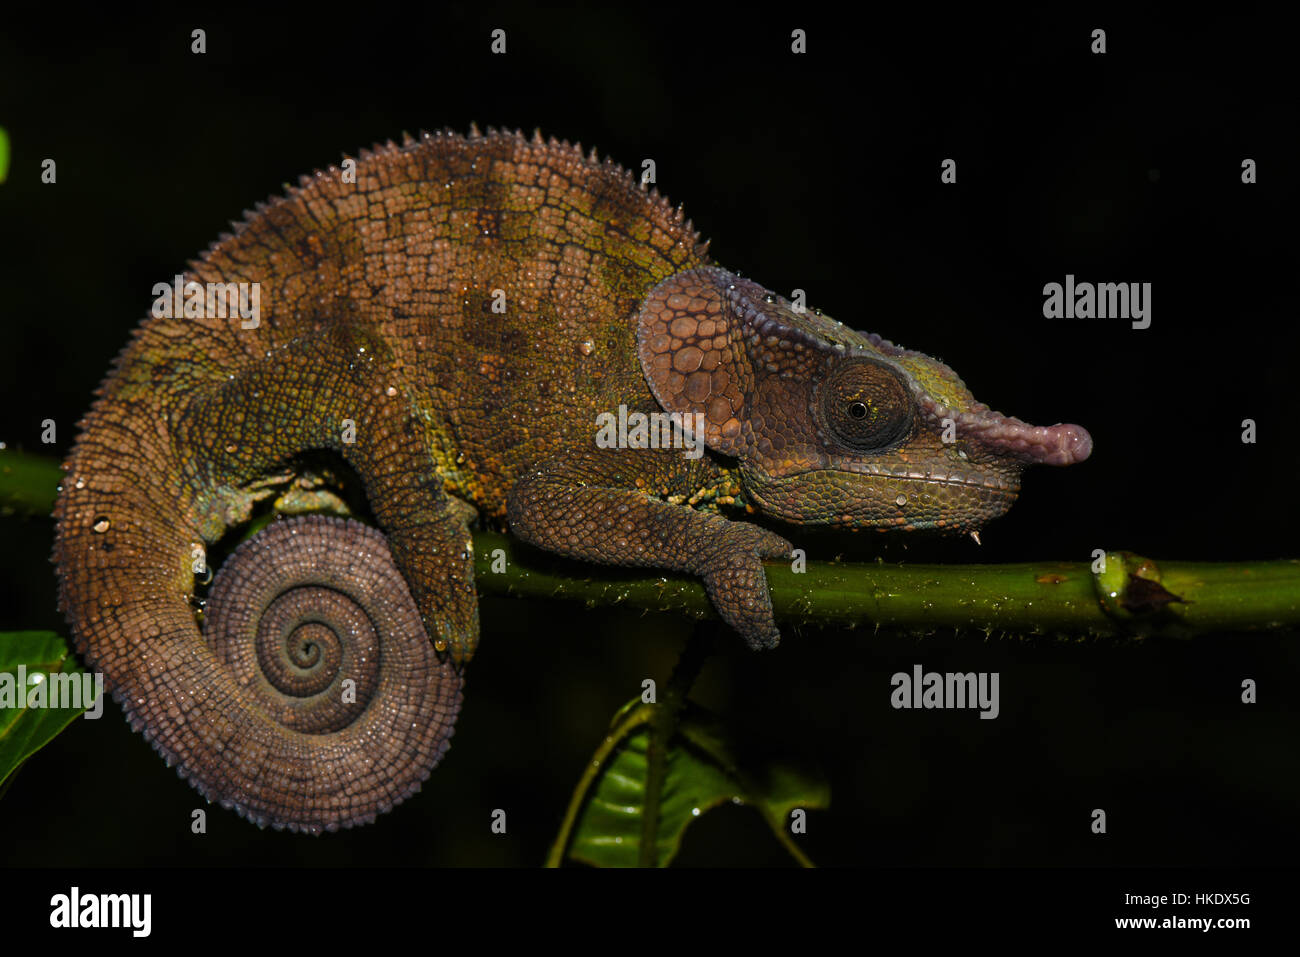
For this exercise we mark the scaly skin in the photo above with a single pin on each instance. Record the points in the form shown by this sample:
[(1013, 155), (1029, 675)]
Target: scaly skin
[(377, 312)]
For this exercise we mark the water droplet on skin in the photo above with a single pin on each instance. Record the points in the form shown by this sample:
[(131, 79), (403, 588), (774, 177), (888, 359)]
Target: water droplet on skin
[(586, 347), (901, 500), (390, 391), (81, 483), (101, 524), (440, 645), (232, 449)]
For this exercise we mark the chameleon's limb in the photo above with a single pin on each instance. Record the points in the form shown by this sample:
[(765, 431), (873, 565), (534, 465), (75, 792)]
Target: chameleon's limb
[(340, 391), (601, 505)]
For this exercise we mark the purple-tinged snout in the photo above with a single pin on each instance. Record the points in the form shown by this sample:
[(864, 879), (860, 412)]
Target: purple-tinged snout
[(1061, 444)]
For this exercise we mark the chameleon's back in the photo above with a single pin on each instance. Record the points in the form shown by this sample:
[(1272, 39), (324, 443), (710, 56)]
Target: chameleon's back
[(504, 273), (496, 277)]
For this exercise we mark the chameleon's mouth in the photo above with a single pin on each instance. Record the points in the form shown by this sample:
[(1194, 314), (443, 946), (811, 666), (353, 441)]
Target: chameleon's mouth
[(996, 482), (884, 497)]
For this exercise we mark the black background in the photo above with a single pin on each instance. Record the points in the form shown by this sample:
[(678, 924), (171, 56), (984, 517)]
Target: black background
[(820, 172)]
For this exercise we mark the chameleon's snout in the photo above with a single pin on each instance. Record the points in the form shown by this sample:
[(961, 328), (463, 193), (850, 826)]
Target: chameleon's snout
[(1061, 444)]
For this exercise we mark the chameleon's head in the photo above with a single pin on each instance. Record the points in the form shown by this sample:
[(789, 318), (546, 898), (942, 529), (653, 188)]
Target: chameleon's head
[(832, 426)]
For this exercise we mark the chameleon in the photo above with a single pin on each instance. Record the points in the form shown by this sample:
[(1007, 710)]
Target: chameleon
[(444, 320)]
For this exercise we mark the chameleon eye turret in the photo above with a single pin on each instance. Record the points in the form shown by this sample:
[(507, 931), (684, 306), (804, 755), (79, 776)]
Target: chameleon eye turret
[(865, 406)]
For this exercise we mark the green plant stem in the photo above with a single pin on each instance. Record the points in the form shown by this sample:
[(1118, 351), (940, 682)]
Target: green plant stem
[(663, 725), (1134, 596), (28, 483)]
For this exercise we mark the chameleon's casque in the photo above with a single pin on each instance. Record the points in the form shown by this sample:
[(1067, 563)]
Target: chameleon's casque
[(320, 684)]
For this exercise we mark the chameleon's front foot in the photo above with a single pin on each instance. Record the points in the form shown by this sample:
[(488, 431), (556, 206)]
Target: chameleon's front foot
[(576, 506), (737, 585)]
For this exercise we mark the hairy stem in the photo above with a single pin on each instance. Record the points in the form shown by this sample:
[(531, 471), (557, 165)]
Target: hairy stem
[(1130, 596)]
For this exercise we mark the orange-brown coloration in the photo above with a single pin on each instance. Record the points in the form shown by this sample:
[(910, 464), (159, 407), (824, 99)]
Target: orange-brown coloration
[(451, 324)]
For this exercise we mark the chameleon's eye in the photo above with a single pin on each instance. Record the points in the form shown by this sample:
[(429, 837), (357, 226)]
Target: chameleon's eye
[(866, 405)]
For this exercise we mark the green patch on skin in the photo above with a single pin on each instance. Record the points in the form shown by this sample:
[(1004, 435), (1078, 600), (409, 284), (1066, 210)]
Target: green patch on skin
[(725, 489)]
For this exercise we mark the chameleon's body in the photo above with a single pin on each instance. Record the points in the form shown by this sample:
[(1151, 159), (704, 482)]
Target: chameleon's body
[(379, 341)]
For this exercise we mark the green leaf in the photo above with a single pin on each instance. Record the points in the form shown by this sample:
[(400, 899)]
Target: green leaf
[(4, 154), (700, 773), (25, 729)]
